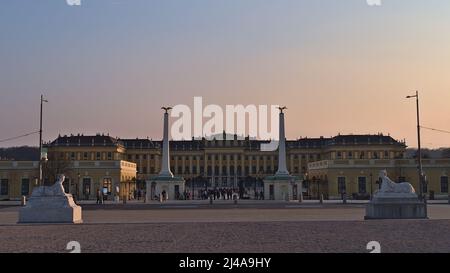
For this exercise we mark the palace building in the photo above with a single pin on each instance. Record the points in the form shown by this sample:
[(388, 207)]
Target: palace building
[(344, 164)]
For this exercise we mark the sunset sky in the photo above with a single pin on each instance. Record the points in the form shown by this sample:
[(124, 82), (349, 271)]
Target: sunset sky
[(108, 66)]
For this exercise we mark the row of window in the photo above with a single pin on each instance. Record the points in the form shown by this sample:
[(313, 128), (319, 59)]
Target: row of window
[(87, 156), (107, 184), (247, 157), (247, 169), (131, 157), (224, 157), (363, 155), (362, 184), (135, 157), (24, 188)]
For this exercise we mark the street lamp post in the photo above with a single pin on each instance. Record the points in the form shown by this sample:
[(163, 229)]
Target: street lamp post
[(419, 151), (256, 193), (40, 141), (193, 188), (307, 185), (371, 185), (137, 182), (318, 187), (77, 186)]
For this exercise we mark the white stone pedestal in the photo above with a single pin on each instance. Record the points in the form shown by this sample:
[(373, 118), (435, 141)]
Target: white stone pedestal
[(282, 187), (51, 205), (51, 209), (395, 201), (396, 206), (157, 185)]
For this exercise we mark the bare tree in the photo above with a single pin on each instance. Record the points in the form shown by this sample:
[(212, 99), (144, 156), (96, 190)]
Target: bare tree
[(446, 153), (54, 167)]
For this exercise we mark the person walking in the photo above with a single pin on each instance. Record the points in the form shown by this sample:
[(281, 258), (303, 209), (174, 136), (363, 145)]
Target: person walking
[(99, 196)]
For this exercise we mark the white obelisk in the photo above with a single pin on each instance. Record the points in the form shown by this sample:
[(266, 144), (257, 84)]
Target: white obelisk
[(165, 165), (282, 169)]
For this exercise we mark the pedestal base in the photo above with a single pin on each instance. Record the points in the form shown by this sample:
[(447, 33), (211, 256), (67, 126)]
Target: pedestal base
[(282, 188), (171, 187), (396, 208), (51, 209)]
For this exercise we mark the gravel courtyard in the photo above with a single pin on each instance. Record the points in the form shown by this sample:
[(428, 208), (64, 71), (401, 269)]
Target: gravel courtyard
[(336, 236), (307, 229)]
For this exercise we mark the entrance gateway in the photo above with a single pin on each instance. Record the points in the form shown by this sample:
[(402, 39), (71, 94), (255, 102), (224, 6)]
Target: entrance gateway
[(281, 186)]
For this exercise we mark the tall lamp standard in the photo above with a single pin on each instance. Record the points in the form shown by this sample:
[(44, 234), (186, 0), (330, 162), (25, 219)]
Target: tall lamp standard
[(318, 188), (371, 185), (193, 188), (137, 183), (313, 180), (77, 186), (40, 141), (419, 151), (256, 193), (307, 184)]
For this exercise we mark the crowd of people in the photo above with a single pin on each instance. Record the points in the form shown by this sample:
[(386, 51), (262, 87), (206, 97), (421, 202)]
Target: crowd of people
[(201, 194), (219, 194)]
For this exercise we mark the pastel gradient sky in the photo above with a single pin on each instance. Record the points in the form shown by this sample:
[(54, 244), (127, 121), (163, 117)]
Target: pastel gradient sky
[(340, 66)]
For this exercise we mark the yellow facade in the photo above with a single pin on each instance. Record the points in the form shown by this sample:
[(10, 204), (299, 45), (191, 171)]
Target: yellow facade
[(83, 178), (237, 163), (333, 177), (17, 178)]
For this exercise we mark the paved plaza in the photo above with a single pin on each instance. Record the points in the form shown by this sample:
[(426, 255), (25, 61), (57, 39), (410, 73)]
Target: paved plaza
[(224, 227)]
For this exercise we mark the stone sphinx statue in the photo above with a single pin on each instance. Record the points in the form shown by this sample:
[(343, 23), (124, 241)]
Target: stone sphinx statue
[(389, 186), (56, 189), (50, 204), (395, 201)]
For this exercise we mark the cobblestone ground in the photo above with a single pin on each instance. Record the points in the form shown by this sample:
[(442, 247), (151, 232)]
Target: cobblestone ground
[(314, 229), (237, 237)]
